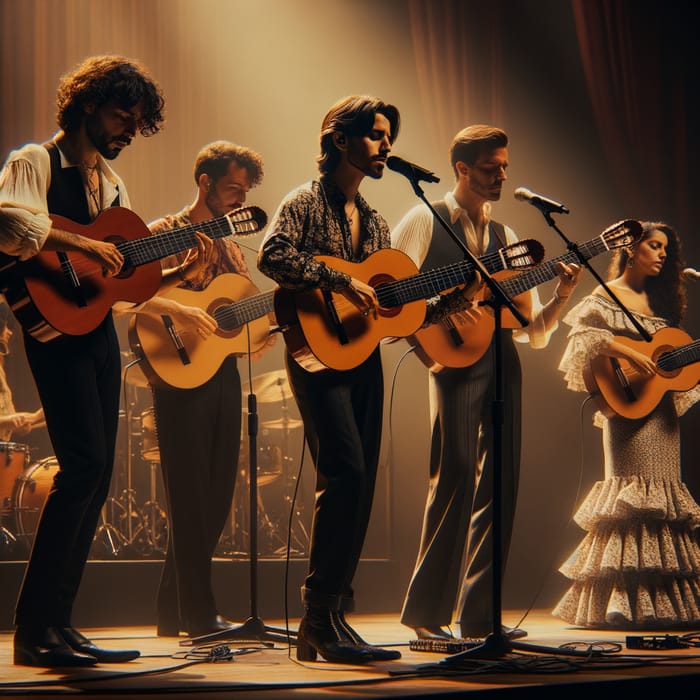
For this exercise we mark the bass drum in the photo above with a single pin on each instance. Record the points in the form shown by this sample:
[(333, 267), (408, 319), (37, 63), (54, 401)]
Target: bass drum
[(31, 491)]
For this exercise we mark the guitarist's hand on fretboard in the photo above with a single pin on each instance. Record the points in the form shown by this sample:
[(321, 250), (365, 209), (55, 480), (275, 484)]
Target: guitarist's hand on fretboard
[(197, 259)]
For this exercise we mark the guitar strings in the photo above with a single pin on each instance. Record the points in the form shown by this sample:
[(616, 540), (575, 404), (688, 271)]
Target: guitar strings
[(240, 312), (146, 249)]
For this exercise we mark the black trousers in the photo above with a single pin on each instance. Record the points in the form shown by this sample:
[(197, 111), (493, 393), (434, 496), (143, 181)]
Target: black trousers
[(454, 568), (78, 380), (199, 435), (342, 414)]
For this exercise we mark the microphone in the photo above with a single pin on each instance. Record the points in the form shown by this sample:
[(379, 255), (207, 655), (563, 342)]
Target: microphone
[(413, 172), (690, 273), (545, 205)]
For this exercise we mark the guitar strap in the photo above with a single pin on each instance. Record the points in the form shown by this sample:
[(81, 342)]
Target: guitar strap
[(443, 250)]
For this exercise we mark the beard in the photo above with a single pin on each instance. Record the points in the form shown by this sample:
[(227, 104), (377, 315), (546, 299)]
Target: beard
[(100, 140)]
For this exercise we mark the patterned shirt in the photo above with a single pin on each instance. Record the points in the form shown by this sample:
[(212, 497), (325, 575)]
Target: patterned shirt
[(309, 222), (226, 255)]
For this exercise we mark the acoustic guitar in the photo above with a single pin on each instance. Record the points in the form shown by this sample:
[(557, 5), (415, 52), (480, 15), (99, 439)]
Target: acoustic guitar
[(454, 343), (172, 357), (620, 390), (323, 330), (55, 293)]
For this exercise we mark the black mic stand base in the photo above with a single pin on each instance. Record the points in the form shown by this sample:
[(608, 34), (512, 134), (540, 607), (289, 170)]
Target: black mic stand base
[(253, 629), (498, 646)]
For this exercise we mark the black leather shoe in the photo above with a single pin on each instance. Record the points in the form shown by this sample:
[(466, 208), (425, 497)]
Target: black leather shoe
[(432, 632), (377, 653), (82, 644), (46, 647), (319, 633)]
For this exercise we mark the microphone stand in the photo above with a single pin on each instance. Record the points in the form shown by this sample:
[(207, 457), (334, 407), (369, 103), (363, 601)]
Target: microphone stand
[(254, 628), (496, 644), (586, 263)]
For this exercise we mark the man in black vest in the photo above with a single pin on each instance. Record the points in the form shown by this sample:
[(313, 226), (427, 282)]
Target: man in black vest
[(102, 104), (453, 571)]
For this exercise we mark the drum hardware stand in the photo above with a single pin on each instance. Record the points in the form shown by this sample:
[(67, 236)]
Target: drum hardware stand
[(155, 519), (7, 539), (108, 534), (126, 507)]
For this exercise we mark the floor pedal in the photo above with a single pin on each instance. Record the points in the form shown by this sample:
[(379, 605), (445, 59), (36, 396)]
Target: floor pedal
[(444, 646)]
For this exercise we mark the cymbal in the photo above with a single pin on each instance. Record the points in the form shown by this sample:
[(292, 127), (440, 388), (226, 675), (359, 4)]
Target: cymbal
[(269, 387), (282, 424)]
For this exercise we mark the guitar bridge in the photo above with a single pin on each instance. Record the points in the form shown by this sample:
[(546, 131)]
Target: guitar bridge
[(176, 339), (622, 379), (335, 319), (69, 272)]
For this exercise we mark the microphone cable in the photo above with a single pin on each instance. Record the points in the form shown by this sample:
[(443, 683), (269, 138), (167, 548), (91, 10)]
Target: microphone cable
[(577, 494)]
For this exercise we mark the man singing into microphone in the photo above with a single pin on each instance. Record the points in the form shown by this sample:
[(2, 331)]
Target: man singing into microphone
[(457, 521)]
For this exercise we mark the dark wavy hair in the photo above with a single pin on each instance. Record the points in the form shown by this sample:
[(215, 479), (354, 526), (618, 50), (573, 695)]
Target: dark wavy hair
[(215, 158), (666, 292), (352, 116), (102, 80)]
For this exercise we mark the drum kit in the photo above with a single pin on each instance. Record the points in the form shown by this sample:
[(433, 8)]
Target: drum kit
[(133, 523), (17, 489)]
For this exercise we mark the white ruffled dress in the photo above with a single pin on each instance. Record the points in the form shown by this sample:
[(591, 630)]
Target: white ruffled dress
[(638, 566)]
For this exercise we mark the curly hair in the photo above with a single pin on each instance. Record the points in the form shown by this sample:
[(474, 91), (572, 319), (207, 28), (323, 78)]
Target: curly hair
[(215, 158), (352, 116), (101, 80), (666, 291)]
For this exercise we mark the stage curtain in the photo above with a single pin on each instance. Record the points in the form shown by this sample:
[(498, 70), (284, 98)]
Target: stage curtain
[(637, 81), (459, 64)]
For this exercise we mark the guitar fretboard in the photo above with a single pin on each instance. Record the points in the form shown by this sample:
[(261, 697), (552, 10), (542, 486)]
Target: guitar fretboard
[(149, 248), (426, 285), (548, 271)]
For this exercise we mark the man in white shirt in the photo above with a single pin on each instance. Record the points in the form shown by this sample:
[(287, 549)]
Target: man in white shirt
[(457, 524)]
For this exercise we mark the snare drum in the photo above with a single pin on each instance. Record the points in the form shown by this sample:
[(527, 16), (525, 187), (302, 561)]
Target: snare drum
[(14, 458), (31, 490)]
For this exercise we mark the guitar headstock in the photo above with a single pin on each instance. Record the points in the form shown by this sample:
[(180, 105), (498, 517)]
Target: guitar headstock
[(522, 255), (247, 220), (622, 234)]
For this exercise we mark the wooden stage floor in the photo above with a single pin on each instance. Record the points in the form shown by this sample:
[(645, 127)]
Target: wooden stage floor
[(541, 670)]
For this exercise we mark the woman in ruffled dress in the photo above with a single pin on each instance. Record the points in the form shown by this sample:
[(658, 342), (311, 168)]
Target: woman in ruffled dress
[(638, 566)]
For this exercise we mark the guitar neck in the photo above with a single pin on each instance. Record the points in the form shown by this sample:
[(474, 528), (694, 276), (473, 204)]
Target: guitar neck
[(428, 284), (680, 357), (141, 251), (237, 314), (547, 270)]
